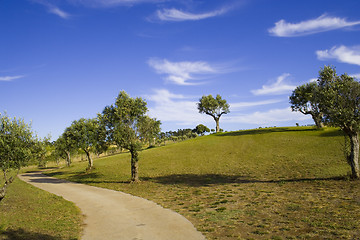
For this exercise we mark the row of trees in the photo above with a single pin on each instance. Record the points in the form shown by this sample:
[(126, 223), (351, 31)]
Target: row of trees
[(335, 101), (123, 123)]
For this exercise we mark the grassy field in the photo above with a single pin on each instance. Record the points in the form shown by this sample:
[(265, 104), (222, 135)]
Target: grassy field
[(32, 214), (274, 183)]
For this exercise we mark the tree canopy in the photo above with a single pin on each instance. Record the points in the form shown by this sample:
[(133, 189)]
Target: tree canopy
[(214, 107), (305, 99), (201, 129), (17, 148), (85, 134)]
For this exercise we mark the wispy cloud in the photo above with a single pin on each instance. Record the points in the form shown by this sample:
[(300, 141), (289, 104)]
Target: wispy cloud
[(342, 53), (182, 73), (10, 78), (321, 24), (241, 105), (176, 15), (271, 117), (277, 88), (110, 3), (53, 9)]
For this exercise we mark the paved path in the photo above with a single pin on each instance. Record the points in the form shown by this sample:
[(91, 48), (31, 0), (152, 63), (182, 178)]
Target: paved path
[(116, 215)]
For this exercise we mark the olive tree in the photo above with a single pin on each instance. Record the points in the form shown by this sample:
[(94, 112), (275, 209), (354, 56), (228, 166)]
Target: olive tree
[(64, 146), (124, 123), (84, 134), (214, 107), (201, 129), (17, 148), (305, 99), (340, 103)]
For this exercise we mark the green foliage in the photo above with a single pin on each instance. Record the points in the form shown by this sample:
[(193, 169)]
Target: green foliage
[(85, 134), (201, 129), (306, 99), (18, 146), (214, 107), (340, 99)]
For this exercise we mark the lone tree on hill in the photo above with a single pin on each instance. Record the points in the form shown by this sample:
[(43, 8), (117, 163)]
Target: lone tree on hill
[(17, 148), (340, 103), (127, 124), (214, 107), (305, 99)]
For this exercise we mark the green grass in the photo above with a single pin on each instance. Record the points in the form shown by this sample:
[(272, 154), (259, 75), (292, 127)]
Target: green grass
[(29, 213), (274, 183)]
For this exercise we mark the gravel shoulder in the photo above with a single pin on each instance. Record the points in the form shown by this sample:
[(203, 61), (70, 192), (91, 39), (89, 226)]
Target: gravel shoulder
[(112, 214)]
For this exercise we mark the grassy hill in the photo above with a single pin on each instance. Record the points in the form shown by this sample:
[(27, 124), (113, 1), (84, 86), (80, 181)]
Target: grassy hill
[(273, 183)]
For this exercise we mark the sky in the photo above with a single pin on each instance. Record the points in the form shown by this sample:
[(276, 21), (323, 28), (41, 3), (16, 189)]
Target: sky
[(62, 60)]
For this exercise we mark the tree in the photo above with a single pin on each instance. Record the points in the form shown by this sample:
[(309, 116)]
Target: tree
[(84, 134), (149, 127), (124, 123), (201, 129), (64, 146), (214, 107), (17, 148), (340, 103), (305, 99)]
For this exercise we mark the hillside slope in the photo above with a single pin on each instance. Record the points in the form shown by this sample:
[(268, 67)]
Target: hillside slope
[(262, 184)]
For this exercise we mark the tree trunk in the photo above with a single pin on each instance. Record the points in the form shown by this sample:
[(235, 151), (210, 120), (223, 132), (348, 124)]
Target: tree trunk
[(3, 192), (68, 158), (91, 164), (354, 155), (134, 166), (318, 120), (217, 124)]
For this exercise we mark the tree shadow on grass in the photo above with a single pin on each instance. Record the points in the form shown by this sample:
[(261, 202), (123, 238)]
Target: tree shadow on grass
[(265, 130), (85, 177), (197, 180), (20, 234)]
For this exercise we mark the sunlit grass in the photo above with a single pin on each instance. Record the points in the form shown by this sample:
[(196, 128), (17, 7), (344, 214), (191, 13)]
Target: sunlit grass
[(275, 183), (30, 213)]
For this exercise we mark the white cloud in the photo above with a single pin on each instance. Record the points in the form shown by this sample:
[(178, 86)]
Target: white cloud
[(320, 24), (110, 3), (342, 53), (175, 108), (182, 110), (10, 78), (271, 117), (356, 76), (177, 15), (57, 11), (241, 105), (277, 88), (181, 73), (53, 8)]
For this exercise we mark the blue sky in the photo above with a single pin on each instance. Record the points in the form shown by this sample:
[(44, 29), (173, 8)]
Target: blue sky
[(66, 59)]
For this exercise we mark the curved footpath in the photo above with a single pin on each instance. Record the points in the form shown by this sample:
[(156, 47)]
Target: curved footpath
[(111, 214)]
